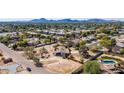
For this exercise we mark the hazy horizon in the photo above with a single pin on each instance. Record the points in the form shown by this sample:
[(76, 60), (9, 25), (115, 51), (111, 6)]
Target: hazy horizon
[(28, 19)]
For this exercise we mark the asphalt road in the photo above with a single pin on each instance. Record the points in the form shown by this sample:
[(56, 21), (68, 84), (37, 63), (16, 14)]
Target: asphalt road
[(22, 61)]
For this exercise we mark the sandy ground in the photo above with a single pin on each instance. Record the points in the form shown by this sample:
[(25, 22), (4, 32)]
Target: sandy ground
[(58, 64), (62, 65), (19, 59), (23, 72)]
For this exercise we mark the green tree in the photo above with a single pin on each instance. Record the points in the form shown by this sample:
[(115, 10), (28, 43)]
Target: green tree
[(92, 67), (81, 60), (22, 43), (37, 62), (5, 40), (94, 49), (35, 59), (113, 42), (107, 42), (82, 43), (122, 50), (62, 40), (56, 46), (29, 52), (14, 47), (47, 41)]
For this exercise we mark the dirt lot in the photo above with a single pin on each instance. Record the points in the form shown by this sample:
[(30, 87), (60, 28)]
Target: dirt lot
[(58, 64), (61, 65)]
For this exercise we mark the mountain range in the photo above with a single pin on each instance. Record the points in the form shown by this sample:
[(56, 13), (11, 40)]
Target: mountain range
[(43, 20)]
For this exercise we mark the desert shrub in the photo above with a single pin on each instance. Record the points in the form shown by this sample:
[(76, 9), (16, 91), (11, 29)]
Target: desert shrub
[(92, 67)]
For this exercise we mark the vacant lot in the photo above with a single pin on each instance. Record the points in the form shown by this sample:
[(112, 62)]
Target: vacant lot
[(58, 64)]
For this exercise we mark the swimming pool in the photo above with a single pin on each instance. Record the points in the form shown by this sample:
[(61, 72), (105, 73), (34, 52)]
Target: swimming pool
[(108, 62), (11, 68)]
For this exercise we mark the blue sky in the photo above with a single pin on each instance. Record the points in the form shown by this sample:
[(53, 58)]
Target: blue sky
[(27, 19), (15, 19)]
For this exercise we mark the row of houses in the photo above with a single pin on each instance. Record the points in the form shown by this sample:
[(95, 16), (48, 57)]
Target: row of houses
[(121, 31), (62, 32), (89, 38)]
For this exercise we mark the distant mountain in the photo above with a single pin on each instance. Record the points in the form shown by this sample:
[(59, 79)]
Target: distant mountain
[(97, 20), (68, 20), (40, 20), (43, 20)]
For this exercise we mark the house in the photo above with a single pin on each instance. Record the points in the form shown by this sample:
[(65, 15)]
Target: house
[(120, 44), (61, 32), (116, 49), (105, 49), (62, 52), (121, 31), (33, 41), (45, 32), (89, 38), (76, 31), (120, 41)]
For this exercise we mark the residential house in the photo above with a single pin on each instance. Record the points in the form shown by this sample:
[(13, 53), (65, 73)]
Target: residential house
[(120, 41), (62, 52)]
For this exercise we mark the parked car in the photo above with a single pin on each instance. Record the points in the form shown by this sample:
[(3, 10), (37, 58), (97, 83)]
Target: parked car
[(29, 69)]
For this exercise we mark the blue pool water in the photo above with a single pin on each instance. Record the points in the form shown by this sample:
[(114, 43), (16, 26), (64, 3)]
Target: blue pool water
[(108, 62), (11, 68)]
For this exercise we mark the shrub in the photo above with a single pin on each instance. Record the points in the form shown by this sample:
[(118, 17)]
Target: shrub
[(38, 64), (35, 59), (122, 51), (81, 60), (92, 67), (8, 60), (94, 49)]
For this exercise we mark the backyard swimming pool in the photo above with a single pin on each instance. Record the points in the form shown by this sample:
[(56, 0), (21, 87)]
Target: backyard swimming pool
[(108, 62), (11, 68)]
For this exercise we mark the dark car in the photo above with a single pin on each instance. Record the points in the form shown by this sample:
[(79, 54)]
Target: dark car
[(29, 69)]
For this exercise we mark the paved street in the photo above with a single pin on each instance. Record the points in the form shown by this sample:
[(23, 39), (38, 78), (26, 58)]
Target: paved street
[(21, 60)]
